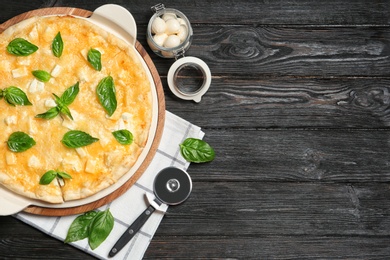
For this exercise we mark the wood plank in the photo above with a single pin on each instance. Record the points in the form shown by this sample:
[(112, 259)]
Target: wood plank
[(234, 209), (342, 156), (333, 12), (253, 51), (263, 103), (269, 247)]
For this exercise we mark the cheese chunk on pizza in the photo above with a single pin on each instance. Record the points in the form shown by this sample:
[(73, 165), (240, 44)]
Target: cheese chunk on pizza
[(75, 108)]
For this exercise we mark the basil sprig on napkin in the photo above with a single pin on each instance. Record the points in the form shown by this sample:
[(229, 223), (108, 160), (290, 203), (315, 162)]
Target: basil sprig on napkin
[(21, 47), (15, 96), (20, 142), (96, 226), (197, 151), (62, 102)]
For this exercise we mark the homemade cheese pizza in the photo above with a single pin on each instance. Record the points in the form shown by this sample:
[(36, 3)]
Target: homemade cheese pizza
[(75, 108)]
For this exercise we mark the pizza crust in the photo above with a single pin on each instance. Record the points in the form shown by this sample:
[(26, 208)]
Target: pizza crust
[(96, 166)]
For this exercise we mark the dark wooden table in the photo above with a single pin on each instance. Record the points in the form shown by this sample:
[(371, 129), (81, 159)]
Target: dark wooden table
[(299, 115)]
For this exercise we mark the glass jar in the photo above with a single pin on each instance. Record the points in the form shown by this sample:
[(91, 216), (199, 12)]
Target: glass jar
[(169, 35), (169, 32)]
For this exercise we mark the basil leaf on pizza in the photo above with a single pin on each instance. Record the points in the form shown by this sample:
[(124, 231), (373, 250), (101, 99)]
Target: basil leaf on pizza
[(57, 45), (21, 47), (123, 136), (62, 103), (41, 75), (50, 114), (70, 94), (15, 96), (94, 58), (20, 142), (49, 176), (77, 138), (107, 95)]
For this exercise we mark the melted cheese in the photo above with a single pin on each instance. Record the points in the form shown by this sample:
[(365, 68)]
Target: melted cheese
[(92, 165)]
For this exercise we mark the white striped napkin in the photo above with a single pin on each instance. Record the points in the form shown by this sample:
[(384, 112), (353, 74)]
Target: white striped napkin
[(130, 205)]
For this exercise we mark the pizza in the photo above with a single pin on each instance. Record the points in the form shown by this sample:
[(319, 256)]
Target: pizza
[(75, 108)]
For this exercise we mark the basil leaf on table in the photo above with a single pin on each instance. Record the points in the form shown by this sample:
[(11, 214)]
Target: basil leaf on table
[(107, 95), (21, 47), (100, 228), (79, 228), (197, 151), (15, 96), (76, 139), (96, 226), (20, 142), (41, 75), (94, 58), (123, 136), (57, 45)]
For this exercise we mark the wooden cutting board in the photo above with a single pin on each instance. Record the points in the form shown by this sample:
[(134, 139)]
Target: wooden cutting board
[(160, 123)]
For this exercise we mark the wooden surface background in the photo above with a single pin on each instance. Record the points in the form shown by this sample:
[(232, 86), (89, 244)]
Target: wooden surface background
[(299, 115)]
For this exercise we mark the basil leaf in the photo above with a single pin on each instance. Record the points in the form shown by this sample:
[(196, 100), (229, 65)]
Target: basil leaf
[(1, 93), (100, 228), (70, 94), (80, 227), (94, 58), (48, 177), (41, 75), (123, 136), (20, 142), (15, 96), (64, 175), (196, 150), (57, 46), (106, 94), (62, 107), (21, 47), (76, 138), (49, 114)]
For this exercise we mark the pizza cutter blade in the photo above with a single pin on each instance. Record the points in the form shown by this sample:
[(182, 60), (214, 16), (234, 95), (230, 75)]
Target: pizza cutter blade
[(171, 186)]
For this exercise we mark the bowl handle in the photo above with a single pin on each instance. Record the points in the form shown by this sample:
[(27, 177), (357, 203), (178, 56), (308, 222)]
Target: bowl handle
[(11, 203), (117, 18)]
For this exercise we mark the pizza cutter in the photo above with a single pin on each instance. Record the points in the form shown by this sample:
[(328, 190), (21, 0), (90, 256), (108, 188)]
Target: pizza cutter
[(171, 186)]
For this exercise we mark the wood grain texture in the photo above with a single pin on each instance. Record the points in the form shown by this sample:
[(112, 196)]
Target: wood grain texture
[(47, 211), (298, 113)]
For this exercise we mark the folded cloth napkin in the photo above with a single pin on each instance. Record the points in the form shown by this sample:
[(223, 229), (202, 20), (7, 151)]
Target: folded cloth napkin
[(131, 204)]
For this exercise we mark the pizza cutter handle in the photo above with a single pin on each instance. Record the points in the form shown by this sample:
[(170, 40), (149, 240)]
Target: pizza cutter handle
[(131, 231)]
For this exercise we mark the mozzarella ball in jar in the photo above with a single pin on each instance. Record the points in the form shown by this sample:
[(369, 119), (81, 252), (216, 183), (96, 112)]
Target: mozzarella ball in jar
[(169, 33)]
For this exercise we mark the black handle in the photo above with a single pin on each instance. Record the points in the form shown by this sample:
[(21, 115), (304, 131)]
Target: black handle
[(131, 231)]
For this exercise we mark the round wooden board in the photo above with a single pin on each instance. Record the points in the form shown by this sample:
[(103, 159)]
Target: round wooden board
[(160, 122)]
